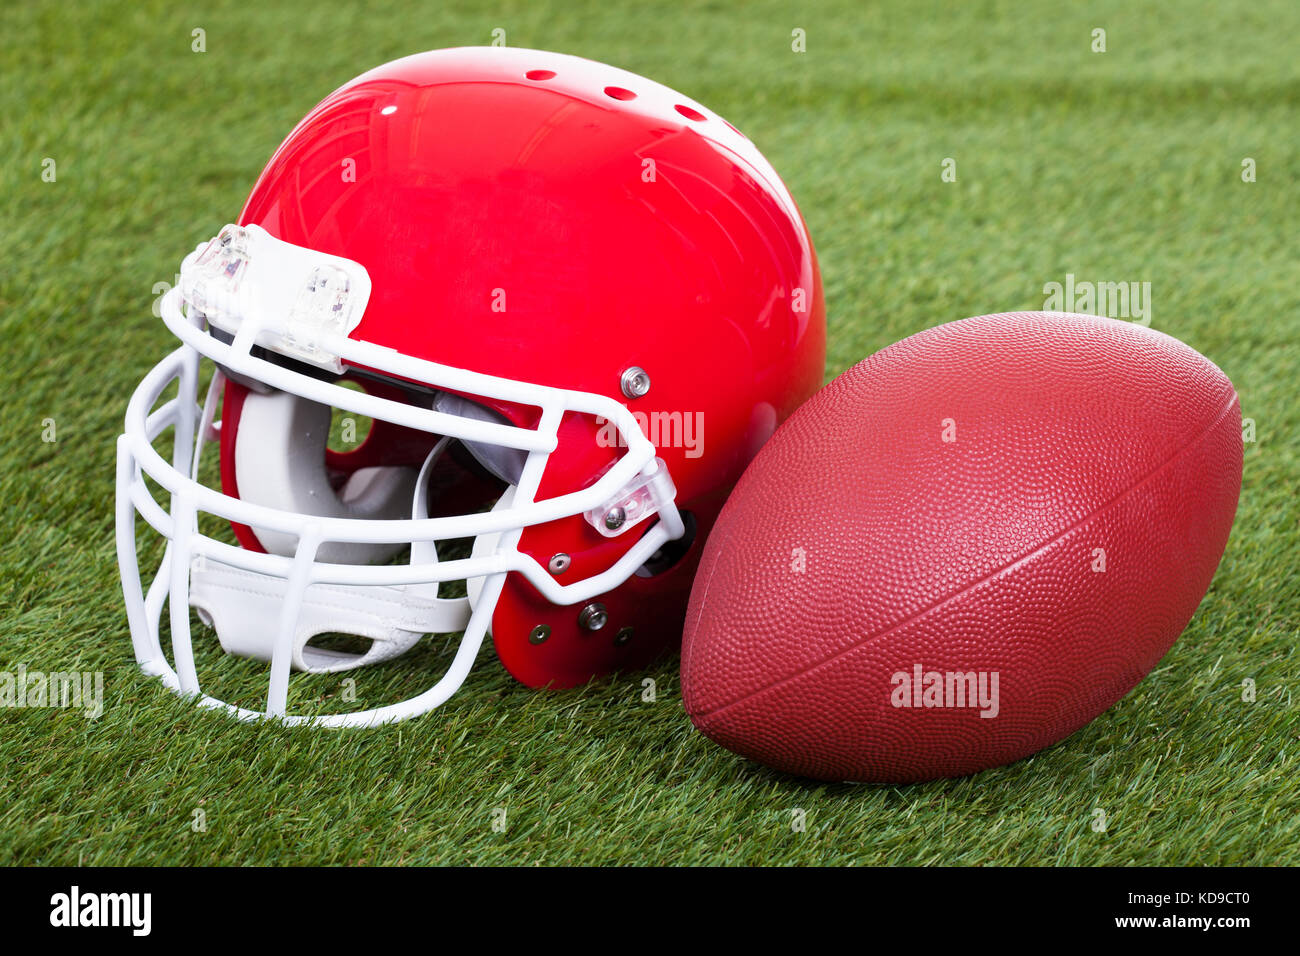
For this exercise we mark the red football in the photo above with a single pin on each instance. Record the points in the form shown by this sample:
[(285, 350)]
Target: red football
[(963, 549)]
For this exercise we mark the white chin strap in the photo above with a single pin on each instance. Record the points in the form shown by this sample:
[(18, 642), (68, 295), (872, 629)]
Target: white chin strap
[(280, 463)]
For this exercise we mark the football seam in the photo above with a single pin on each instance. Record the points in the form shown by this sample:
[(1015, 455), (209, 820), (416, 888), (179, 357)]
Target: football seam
[(1005, 569)]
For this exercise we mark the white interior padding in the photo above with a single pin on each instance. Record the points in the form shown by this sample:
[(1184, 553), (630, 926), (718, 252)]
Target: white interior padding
[(280, 463), (244, 607)]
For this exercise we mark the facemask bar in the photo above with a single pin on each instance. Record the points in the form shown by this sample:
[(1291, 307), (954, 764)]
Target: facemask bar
[(638, 469)]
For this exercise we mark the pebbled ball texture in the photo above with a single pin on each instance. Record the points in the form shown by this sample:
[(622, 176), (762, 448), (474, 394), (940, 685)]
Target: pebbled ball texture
[(861, 545)]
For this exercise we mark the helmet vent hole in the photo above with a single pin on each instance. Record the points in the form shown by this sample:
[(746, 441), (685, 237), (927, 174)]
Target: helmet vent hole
[(540, 74), (690, 114), (618, 93)]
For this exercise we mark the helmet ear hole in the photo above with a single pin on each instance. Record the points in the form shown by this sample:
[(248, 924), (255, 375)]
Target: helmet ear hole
[(672, 552), (279, 459), (348, 431)]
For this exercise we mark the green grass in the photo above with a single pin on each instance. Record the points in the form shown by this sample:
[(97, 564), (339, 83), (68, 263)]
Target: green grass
[(1119, 166)]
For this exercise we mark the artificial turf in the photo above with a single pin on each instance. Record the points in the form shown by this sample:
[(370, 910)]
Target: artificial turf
[(1118, 166)]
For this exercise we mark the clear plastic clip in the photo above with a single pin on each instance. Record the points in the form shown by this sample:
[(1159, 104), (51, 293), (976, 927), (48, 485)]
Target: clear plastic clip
[(640, 498), (212, 283), (324, 304)]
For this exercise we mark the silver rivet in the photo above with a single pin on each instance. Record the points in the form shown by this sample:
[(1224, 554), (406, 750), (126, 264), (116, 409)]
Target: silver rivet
[(635, 382), (614, 518), (623, 636), (559, 563), (539, 634), (593, 617)]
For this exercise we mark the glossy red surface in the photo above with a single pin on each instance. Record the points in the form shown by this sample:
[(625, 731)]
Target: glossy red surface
[(1037, 497), (547, 230)]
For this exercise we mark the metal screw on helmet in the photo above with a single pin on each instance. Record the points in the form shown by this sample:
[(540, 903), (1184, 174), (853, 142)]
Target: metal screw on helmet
[(593, 617), (559, 563), (539, 634), (623, 636), (635, 382), (614, 518)]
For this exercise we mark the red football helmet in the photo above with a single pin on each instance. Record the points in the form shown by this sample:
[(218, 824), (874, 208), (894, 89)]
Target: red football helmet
[(575, 304)]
